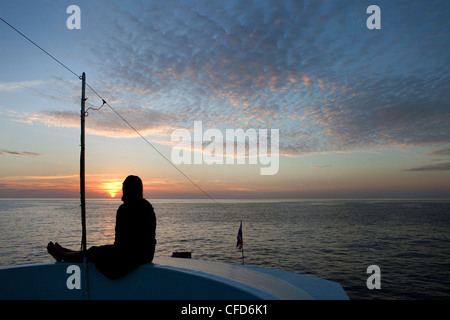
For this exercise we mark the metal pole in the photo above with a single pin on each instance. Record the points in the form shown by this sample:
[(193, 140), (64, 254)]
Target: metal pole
[(82, 168), (243, 254), (82, 186)]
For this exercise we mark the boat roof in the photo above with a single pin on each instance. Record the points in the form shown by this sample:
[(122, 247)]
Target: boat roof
[(166, 279)]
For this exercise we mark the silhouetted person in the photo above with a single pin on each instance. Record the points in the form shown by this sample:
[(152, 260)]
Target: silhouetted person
[(134, 240)]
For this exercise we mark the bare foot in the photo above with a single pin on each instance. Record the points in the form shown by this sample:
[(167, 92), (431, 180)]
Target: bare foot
[(54, 251)]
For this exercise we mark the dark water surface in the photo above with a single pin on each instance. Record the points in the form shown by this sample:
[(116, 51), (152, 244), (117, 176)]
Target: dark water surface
[(331, 239)]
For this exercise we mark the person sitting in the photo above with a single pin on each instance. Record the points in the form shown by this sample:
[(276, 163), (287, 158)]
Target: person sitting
[(134, 243)]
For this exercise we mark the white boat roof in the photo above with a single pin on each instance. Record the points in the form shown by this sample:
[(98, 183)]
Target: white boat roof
[(166, 279)]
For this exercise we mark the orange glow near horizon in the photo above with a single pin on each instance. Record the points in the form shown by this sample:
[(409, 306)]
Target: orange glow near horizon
[(318, 182), (112, 187)]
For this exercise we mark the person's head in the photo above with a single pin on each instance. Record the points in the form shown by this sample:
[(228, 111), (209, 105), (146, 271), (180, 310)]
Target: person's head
[(132, 188)]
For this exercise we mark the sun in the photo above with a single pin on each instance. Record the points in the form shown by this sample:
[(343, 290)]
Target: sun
[(112, 187)]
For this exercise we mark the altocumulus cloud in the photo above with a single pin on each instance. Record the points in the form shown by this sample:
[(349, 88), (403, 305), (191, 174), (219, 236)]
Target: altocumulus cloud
[(147, 122), (309, 68)]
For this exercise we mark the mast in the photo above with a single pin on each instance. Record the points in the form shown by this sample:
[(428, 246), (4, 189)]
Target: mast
[(82, 167)]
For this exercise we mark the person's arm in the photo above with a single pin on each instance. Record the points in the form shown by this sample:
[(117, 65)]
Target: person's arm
[(119, 227)]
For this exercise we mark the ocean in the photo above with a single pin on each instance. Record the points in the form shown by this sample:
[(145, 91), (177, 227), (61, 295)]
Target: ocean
[(338, 240)]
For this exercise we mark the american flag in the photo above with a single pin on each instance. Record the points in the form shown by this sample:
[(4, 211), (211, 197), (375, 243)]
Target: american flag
[(240, 241)]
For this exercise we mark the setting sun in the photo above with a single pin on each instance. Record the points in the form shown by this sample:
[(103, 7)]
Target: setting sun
[(112, 187)]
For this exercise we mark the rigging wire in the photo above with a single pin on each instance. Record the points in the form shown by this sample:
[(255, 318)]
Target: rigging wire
[(119, 115), (62, 64), (156, 149)]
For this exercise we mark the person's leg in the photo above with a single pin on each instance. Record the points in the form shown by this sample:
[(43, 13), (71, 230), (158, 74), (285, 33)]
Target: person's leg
[(62, 248), (62, 255)]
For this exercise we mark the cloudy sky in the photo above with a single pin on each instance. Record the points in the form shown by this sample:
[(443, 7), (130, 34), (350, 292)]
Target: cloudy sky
[(360, 113)]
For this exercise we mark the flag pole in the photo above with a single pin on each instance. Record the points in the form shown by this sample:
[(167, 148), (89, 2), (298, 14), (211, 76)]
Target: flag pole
[(243, 254), (243, 257), (240, 242)]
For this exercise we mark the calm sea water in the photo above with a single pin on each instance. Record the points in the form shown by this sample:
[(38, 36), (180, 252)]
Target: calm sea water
[(333, 239)]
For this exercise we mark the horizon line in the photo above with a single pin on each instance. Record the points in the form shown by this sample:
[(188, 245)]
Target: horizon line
[(235, 198)]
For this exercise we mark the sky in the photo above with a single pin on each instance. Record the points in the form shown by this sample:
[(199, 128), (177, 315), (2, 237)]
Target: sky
[(361, 113)]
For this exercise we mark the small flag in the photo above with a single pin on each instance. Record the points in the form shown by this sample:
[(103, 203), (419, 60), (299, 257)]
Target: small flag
[(240, 241)]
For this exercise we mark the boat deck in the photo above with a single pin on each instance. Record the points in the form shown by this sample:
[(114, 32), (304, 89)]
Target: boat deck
[(165, 279)]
